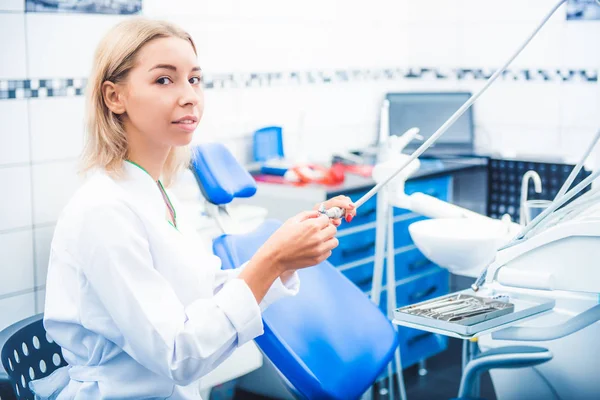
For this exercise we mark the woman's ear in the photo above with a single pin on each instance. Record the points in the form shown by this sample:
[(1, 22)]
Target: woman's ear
[(113, 97)]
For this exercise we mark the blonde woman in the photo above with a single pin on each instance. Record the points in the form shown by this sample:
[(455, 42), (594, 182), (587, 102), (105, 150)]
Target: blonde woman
[(139, 308)]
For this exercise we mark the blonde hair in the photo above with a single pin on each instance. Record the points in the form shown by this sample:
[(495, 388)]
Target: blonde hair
[(106, 142)]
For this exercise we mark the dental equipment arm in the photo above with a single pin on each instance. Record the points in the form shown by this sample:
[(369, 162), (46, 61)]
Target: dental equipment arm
[(432, 207), (546, 333), (338, 213)]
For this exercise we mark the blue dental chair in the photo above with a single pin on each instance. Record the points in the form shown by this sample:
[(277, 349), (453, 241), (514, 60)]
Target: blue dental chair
[(327, 342)]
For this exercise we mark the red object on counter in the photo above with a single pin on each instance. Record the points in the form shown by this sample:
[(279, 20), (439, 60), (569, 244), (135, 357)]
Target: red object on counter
[(362, 170), (312, 173), (275, 179)]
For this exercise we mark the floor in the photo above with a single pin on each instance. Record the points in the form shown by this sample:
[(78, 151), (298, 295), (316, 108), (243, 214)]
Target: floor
[(443, 377), (440, 383)]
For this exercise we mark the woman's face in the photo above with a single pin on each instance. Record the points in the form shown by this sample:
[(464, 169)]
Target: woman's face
[(163, 98)]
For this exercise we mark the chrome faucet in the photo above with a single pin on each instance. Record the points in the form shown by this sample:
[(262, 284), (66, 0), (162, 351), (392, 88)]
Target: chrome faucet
[(524, 216)]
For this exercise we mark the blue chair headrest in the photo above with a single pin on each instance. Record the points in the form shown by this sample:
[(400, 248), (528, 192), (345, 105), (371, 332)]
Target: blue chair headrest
[(220, 177)]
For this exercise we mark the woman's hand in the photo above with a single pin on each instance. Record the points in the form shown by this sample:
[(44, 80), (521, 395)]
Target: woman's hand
[(343, 202), (302, 241)]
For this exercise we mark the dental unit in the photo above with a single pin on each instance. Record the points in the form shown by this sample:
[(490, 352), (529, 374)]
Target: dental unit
[(539, 282)]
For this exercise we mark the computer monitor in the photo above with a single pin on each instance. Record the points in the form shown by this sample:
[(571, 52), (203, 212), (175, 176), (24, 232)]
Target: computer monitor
[(428, 112)]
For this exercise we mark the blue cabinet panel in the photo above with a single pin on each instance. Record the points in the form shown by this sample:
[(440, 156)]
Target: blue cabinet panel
[(354, 247)]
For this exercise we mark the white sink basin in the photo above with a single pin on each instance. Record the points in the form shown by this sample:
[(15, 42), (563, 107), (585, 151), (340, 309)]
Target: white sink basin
[(462, 245)]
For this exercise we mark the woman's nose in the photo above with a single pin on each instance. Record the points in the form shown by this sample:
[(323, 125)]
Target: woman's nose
[(189, 95)]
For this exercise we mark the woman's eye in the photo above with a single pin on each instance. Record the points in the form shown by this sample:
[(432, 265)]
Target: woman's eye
[(195, 80), (163, 80)]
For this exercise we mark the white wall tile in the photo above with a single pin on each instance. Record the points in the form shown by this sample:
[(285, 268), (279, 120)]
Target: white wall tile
[(14, 132), (336, 139), (376, 44), (217, 42), (490, 44), (221, 116), (202, 8), (12, 46), (63, 45), (434, 45), (287, 45), (57, 127), (241, 148), (15, 202), (446, 11), (575, 141), (519, 103), (578, 50), (43, 239), (383, 11), (580, 105), (508, 10), (519, 141), (40, 301), (12, 5), (270, 106), (53, 185), (307, 10), (340, 105), (16, 308), (16, 268)]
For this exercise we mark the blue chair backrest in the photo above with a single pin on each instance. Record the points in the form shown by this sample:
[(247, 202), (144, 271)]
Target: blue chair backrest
[(329, 341), (28, 353), (220, 177)]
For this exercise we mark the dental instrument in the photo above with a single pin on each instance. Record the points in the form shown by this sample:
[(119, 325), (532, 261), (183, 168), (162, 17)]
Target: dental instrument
[(336, 212), (458, 309)]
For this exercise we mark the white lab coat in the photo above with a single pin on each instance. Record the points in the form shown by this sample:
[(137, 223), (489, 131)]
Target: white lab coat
[(140, 309)]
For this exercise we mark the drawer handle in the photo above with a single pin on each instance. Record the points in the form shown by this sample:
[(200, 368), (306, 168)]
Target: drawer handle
[(367, 214), (418, 265), (354, 250), (416, 297), (364, 282), (415, 339)]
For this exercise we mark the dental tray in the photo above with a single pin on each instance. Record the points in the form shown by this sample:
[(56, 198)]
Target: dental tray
[(460, 308), (466, 314)]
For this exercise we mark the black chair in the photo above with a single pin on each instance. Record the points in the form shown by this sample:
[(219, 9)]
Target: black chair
[(28, 353)]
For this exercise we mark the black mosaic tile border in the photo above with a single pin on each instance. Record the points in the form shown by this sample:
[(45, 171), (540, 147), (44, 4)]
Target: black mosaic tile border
[(39, 88), (36, 88)]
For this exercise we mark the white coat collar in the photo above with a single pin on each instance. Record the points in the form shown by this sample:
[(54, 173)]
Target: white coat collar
[(144, 189)]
